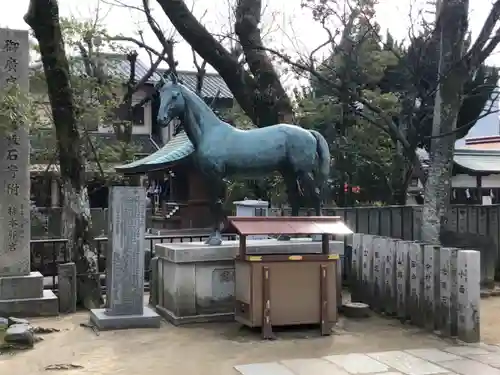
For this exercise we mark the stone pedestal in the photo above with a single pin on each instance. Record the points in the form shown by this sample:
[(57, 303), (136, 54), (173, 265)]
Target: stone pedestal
[(402, 279), (24, 296), (389, 289), (125, 264), (469, 270), (367, 270), (194, 282), (21, 292), (356, 261), (66, 287), (379, 244), (447, 304), (416, 256), (431, 286)]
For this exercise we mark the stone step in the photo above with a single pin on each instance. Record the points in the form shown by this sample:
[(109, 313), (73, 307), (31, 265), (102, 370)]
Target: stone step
[(21, 287), (47, 305)]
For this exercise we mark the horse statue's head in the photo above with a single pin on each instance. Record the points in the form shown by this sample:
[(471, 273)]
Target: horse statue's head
[(172, 102)]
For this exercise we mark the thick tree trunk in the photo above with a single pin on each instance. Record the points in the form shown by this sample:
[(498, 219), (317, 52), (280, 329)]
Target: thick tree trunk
[(76, 220), (259, 94), (271, 92), (452, 25), (400, 179), (43, 17)]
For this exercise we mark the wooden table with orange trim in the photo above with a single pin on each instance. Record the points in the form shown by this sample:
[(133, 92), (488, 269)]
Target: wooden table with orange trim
[(281, 289)]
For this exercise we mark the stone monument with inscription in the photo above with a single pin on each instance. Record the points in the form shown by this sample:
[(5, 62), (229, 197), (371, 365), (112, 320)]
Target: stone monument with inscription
[(448, 304), (415, 298), (378, 272), (389, 292), (402, 279), (21, 291), (468, 299), (125, 264)]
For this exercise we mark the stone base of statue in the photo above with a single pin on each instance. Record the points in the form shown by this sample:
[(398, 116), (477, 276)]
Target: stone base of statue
[(194, 282), (24, 296)]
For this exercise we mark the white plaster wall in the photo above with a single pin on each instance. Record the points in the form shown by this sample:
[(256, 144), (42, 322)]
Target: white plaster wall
[(491, 181), (146, 128), (466, 181), (463, 181), (142, 129), (168, 132)]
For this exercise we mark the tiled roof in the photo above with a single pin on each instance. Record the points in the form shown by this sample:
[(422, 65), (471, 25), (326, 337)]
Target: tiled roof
[(177, 149), (142, 141), (44, 140), (212, 83), (117, 66)]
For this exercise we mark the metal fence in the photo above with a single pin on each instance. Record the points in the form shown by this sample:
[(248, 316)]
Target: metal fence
[(47, 254)]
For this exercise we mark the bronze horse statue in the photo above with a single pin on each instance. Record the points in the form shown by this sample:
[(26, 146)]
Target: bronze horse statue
[(301, 156)]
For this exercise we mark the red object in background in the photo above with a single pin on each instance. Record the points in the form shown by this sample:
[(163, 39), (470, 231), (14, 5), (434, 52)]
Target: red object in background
[(354, 189)]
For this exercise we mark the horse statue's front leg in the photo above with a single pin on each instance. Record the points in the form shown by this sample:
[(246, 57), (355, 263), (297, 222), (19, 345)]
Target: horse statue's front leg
[(216, 208), (216, 190)]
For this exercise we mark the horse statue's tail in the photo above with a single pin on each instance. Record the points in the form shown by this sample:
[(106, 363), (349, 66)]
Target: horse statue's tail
[(323, 168)]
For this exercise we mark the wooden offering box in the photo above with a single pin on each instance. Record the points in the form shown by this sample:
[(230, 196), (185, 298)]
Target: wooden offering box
[(282, 289)]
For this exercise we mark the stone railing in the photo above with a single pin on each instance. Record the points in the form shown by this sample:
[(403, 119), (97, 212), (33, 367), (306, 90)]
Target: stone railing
[(433, 287)]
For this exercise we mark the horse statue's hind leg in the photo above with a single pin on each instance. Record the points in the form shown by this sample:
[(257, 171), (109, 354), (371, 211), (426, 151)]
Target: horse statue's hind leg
[(293, 195), (292, 191), (313, 188)]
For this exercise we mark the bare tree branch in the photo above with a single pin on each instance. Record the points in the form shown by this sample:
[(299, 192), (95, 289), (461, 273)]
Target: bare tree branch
[(200, 72), (392, 128), (168, 44), (120, 38), (248, 17), (239, 81), (150, 55), (481, 48)]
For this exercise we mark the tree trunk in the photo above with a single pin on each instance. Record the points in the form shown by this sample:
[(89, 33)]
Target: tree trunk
[(271, 93), (260, 94), (452, 25), (43, 17), (400, 179)]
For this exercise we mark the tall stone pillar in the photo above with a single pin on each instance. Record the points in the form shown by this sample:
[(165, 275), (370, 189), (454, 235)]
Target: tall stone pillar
[(21, 291)]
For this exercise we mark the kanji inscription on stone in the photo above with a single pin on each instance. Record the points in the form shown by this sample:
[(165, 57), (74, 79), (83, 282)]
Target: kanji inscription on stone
[(125, 257), (14, 160)]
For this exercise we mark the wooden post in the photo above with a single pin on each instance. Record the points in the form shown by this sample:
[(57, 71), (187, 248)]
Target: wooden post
[(323, 286), (267, 326), (325, 244), (243, 247)]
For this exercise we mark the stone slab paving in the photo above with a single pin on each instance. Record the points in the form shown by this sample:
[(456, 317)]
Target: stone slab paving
[(479, 359), (357, 363)]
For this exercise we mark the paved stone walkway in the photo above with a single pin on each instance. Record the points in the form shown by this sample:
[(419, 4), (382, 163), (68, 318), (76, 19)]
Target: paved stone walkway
[(455, 360)]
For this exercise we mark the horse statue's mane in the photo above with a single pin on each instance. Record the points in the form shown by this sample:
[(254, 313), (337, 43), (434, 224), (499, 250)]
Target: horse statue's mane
[(195, 100)]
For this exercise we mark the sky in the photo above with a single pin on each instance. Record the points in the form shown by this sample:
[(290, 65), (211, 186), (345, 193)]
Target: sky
[(292, 28)]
